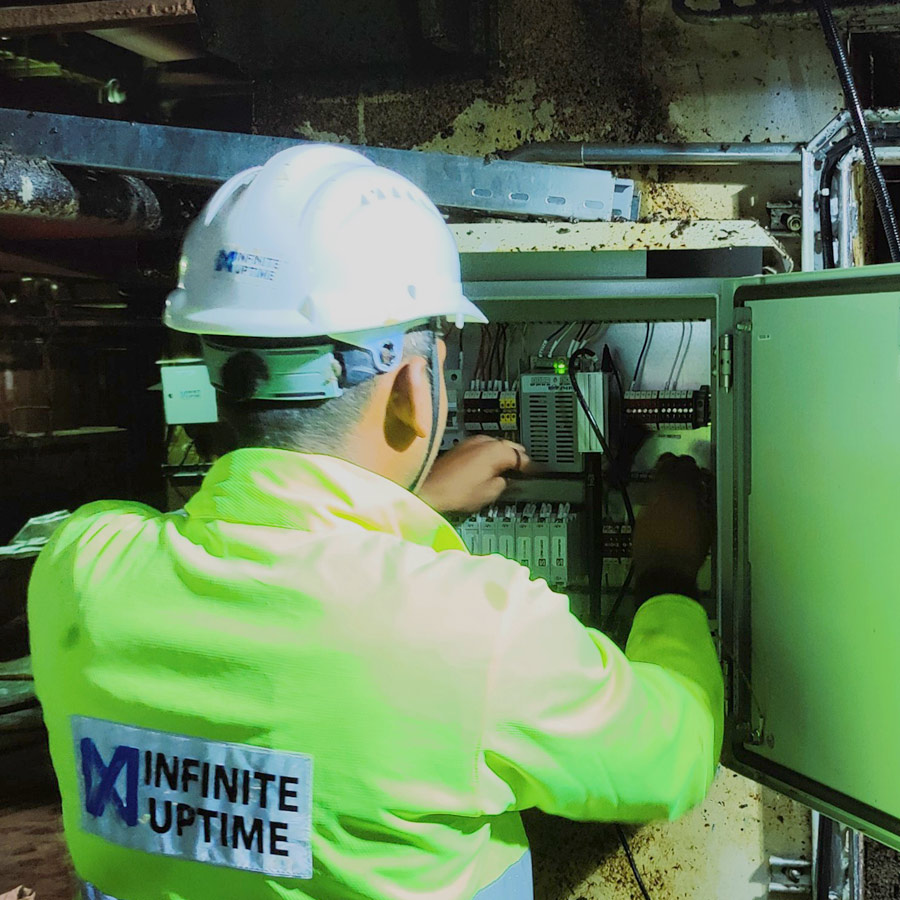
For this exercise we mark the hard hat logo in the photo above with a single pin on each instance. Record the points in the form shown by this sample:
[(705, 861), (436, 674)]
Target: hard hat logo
[(236, 263)]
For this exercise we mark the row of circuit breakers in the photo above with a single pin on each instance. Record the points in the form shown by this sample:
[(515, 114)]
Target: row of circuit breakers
[(547, 538), (545, 413)]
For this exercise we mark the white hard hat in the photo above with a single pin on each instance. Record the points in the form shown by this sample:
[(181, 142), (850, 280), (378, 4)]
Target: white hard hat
[(318, 242)]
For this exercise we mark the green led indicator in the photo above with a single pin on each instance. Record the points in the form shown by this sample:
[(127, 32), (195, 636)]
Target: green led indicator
[(560, 367)]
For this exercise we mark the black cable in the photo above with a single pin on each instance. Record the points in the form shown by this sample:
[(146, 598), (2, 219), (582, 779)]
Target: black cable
[(826, 226), (609, 364), (493, 345), (825, 859), (621, 391), (640, 359), (864, 138), (620, 482), (630, 857), (623, 590), (573, 372), (188, 449), (505, 346), (500, 351), (553, 335), (480, 360)]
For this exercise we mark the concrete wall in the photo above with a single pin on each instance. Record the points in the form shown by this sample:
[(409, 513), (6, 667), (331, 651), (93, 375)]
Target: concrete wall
[(598, 70)]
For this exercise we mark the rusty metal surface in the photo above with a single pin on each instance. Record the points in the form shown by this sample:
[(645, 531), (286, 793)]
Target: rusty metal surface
[(61, 17), (752, 10), (679, 234), (122, 201), (37, 200), (32, 187)]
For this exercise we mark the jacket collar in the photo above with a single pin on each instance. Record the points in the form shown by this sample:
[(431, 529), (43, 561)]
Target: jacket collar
[(309, 492)]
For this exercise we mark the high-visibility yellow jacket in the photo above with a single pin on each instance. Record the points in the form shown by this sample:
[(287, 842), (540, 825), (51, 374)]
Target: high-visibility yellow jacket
[(309, 650)]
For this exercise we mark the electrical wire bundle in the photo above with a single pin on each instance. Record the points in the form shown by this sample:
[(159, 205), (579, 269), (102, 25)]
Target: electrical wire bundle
[(687, 328), (490, 364), (622, 487), (619, 480), (861, 137), (642, 356), (585, 333)]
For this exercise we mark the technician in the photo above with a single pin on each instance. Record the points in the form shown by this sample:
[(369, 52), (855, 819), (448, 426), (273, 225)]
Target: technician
[(302, 685)]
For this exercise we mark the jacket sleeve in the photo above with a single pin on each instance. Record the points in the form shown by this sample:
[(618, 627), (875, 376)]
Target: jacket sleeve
[(579, 729)]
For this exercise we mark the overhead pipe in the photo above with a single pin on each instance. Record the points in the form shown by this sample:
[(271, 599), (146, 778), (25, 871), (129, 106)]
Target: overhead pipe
[(688, 154), (861, 129), (38, 200)]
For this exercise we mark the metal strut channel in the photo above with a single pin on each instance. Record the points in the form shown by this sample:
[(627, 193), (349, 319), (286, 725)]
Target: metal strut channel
[(754, 10), (453, 182)]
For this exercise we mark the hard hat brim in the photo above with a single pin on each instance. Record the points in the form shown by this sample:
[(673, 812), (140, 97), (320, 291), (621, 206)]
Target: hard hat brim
[(279, 323)]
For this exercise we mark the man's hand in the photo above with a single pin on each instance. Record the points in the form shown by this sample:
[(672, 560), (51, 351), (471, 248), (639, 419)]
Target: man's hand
[(673, 532), (473, 474)]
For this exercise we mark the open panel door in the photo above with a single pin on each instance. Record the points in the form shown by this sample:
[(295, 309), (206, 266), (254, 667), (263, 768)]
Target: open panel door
[(814, 627)]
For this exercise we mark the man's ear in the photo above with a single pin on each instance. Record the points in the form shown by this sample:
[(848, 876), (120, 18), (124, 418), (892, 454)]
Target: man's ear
[(408, 414)]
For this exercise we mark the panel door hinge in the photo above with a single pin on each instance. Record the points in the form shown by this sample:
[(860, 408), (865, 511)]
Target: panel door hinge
[(725, 362)]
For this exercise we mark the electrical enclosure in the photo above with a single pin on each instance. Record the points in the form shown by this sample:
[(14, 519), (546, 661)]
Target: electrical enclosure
[(803, 440)]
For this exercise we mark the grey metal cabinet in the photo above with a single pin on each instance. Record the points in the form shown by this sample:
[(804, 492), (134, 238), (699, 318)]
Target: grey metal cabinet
[(812, 626), (806, 427)]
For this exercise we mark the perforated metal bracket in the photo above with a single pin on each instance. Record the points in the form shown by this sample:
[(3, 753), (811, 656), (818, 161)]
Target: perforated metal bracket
[(493, 186)]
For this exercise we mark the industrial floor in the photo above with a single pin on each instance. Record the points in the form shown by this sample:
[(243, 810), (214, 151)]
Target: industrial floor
[(32, 852)]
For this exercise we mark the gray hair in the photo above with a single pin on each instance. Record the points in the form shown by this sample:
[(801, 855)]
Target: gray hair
[(319, 426)]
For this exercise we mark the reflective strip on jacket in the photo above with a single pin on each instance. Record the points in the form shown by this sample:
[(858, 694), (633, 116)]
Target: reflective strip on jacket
[(307, 606)]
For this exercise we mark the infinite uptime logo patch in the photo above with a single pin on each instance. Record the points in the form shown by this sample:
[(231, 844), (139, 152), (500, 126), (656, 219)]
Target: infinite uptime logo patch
[(247, 264), (209, 801)]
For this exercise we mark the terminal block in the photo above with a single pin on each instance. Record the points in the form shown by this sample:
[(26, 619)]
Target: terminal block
[(490, 407), (668, 410), (616, 541)]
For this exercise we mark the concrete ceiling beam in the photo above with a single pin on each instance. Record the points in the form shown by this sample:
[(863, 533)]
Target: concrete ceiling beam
[(92, 15)]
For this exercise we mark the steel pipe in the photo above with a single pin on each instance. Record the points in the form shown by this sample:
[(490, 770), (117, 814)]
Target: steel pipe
[(690, 154)]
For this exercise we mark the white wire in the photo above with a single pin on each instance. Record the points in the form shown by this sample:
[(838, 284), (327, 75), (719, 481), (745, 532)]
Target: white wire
[(549, 338), (687, 347), (677, 354), (592, 334), (564, 333)]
